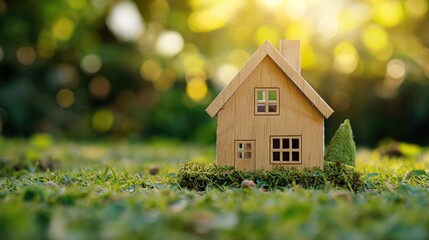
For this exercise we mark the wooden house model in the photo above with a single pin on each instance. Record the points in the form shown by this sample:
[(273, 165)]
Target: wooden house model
[(268, 115)]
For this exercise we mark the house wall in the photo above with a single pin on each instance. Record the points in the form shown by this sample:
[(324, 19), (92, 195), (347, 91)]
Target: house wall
[(297, 116)]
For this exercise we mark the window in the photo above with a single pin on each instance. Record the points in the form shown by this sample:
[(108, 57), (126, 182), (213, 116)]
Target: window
[(266, 101), (286, 149), (244, 150)]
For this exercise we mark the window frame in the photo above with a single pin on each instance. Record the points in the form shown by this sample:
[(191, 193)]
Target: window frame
[(243, 150), (286, 151), (266, 101)]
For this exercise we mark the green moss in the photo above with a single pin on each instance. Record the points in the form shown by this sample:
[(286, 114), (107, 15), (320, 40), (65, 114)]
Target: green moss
[(342, 148), (199, 176)]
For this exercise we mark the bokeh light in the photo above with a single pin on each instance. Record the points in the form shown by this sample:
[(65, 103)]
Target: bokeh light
[(193, 60), (91, 63), (139, 58), (65, 98), (77, 4), (238, 57), (2, 6), (125, 21), (165, 80), (102, 120), (416, 8), (225, 73), (354, 16), (26, 55), (195, 73), (388, 13), (396, 69), (63, 28), (67, 75), (46, 45), (375, 39), (99, 87), (169, 43), (150, 69), (346, 58), (394, 77), (196, 88)]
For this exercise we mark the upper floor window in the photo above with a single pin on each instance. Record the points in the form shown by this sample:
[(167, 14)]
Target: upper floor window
[(266, 101)]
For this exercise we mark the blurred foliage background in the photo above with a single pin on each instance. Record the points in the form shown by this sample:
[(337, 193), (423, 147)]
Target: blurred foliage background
[(90, 69)]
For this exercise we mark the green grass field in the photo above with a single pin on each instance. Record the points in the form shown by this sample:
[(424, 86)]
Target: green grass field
[(70, 190)]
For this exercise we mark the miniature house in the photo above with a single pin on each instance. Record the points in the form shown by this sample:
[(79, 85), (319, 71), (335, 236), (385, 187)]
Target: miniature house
[(268, 115)]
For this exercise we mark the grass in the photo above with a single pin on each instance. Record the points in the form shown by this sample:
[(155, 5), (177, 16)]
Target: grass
[(105, 191), (200, 176)]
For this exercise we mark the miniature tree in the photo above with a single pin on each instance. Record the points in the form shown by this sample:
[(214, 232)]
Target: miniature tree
[(342, 148)]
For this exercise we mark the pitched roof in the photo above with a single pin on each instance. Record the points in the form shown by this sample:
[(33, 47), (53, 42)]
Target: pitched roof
[(267, 49)]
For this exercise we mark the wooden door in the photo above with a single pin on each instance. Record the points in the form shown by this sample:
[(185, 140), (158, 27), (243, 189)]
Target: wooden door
[(244, 154)]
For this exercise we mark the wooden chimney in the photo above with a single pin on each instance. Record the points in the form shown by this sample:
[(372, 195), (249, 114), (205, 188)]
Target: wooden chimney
[(291, 50)]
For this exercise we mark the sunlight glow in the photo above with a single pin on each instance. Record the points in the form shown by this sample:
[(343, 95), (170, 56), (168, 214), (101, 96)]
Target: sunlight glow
[(308, 57), (196, 88), (212, 14), (26, 55), (354, 16), (91, 63), (267, 32), (169, 43), (65, 98), (328, 27), (296, 9), (271, 3), (388, 13), (125, 21), (301, 30)]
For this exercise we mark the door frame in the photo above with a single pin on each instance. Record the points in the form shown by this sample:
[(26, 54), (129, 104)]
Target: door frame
[(251, 165)]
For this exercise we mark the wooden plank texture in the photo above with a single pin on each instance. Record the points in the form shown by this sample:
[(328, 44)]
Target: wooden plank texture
[(268, 50), (297, 117)]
